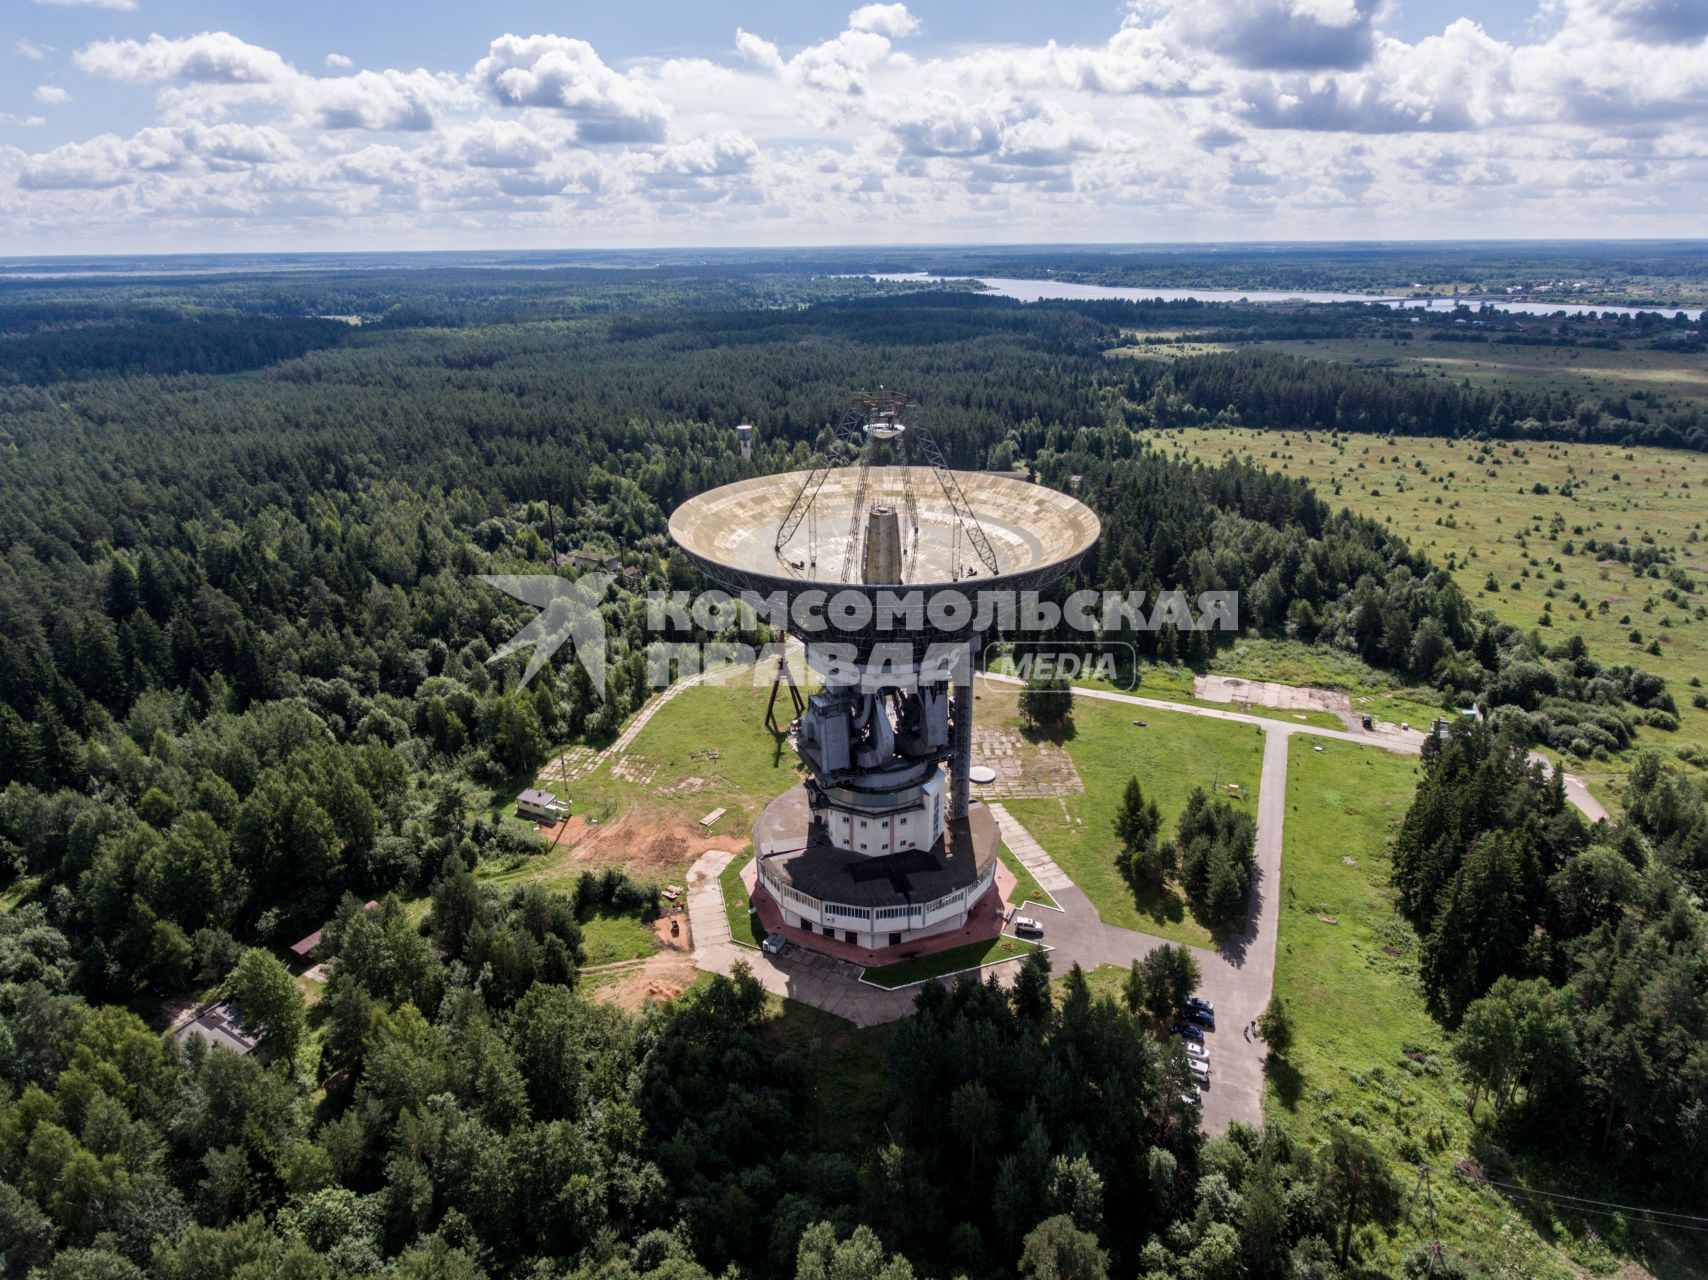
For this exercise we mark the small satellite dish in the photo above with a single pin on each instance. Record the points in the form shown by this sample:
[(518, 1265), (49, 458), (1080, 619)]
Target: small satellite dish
[(982, 773)]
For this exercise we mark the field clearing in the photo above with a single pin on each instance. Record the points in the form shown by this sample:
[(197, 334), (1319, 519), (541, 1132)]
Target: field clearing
[(1164, 345), (1368, 1054), (1290, 662), (1172, 754), (611, 936), (1484, 517), (1668, 376), (705, 749)]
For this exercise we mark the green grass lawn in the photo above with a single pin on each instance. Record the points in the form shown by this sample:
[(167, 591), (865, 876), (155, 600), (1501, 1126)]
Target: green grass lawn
[(744, 927), (944, 963), (1368, 1054), (669, 777), (1489, 520), (1027, 892), (610, 937), (1371, 692), (751, 767), (1168, 682), (1170, 756)]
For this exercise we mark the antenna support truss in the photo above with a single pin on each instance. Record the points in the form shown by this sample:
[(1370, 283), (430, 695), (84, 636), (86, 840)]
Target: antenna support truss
[(878, 417)]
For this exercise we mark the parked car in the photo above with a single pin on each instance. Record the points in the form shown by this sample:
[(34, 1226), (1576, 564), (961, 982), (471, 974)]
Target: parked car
[(1198, 1002), (1192, 1098), (1196, 1050), (773, 944), (1027, 927), (1188, 1030), (1202, 1017), (1199, 1069)]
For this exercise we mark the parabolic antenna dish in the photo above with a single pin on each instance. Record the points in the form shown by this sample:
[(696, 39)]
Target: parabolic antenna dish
[(1036, 533)]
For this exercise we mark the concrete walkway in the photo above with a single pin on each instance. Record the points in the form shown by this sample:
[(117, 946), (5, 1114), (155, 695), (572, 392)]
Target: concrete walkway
[(1031, 854)]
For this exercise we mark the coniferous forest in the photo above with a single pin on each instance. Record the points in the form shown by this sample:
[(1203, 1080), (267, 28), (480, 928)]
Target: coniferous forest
[(244, 687)]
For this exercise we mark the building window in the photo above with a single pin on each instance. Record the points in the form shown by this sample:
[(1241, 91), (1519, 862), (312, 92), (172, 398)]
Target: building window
[(850, 936), (895, 939), (806, 925)]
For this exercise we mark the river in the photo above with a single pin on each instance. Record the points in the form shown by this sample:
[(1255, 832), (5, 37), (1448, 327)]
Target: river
[(1038, 290)]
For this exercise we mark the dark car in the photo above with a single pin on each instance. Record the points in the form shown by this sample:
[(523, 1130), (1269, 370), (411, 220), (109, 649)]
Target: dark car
[(1203, 1017), (1188, 1030)]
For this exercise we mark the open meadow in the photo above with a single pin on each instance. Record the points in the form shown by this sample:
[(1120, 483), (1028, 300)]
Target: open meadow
[(1367, 1053), (1514, 522), (1663, 378)]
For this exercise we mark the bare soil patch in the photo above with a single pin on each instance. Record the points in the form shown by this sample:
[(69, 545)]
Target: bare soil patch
[(643, 849), (658, 978)]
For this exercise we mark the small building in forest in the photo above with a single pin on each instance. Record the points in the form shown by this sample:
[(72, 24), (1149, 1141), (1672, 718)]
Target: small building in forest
[(541, 806)]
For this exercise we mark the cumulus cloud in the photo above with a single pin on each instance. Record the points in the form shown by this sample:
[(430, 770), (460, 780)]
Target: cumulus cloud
[(891, 20), (842, 65), (1653, 21), (758, 50), (110, 161), (1189, 119), (695, 164), (123, 6), (213, 57), (1277, 35), (1457, 80), (568, 76), (498, 144), (51, 94), (30, 49), (1008, 130), (378, 100)]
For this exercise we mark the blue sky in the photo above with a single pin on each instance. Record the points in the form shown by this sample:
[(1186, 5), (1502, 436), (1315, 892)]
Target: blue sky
[(165, 124)]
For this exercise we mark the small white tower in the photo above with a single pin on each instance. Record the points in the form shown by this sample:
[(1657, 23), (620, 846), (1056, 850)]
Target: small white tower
[(745, 431)]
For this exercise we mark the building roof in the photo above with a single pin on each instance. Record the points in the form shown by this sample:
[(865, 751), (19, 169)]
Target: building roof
[(221, 1026), (534, 796), (803, 857), (309, 943)]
